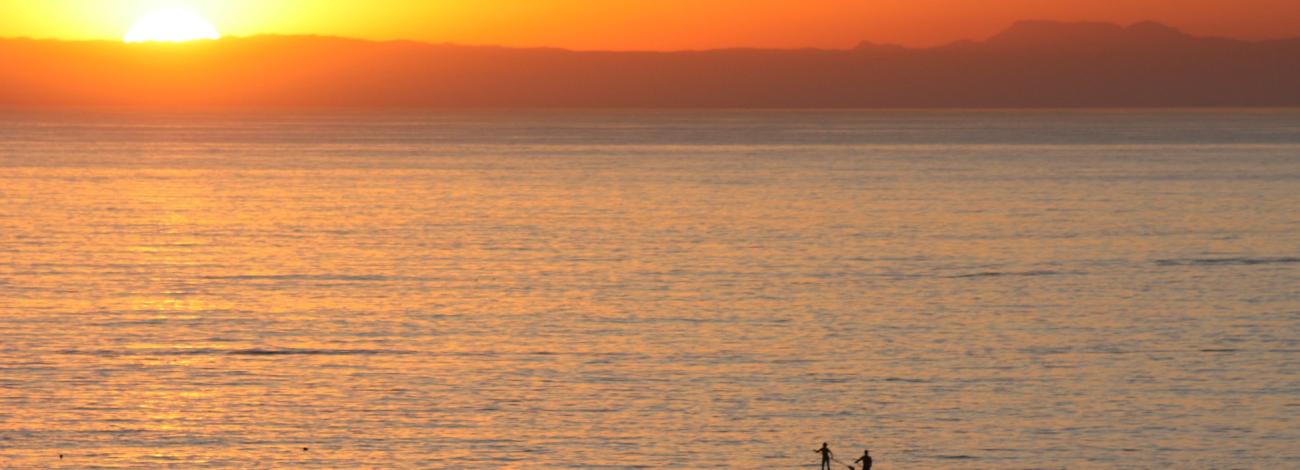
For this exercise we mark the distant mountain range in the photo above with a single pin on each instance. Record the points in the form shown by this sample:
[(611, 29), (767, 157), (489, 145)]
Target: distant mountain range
[(1032, 64)]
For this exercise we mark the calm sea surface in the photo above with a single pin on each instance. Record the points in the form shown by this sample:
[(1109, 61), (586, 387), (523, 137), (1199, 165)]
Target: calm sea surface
[(591, 289)]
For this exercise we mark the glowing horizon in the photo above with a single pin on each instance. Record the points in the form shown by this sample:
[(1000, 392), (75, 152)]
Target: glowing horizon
[(171, 25), (646, 24)]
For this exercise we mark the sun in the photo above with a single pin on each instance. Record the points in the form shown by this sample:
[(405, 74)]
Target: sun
[(174, 25)]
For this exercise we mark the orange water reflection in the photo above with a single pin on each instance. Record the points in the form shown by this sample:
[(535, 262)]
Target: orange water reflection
[(643, 305)]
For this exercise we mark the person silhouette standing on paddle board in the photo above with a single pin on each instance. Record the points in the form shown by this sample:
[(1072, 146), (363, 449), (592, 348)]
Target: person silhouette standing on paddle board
[(827, 455), (865, 459)]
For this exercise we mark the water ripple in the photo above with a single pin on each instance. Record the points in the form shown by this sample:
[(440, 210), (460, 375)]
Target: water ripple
[(1008, 274), (1227, 261), (233, 352)]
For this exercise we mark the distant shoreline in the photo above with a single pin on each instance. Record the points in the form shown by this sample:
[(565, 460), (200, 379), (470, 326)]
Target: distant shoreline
[(1032, 65)]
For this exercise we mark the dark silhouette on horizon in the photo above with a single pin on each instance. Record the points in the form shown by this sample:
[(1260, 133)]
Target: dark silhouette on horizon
[(1031, 64)]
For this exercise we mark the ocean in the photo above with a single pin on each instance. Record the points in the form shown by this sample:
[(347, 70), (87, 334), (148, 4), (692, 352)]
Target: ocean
[(649, 289)]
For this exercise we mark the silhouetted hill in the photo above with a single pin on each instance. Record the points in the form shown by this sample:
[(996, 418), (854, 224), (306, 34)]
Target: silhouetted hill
[(1031, 64)]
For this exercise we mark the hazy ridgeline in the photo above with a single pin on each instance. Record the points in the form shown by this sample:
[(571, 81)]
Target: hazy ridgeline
[(645, 289), (1032, 64)]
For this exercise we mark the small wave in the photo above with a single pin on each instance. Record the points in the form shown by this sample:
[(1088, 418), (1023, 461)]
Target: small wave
[(306, 352), (1005, 273), (303, 277), (1182, 351), (1226, 261), (234, 352)]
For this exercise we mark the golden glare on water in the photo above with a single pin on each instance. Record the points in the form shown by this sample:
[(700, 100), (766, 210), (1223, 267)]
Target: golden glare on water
[(173, 25), (647, 289)]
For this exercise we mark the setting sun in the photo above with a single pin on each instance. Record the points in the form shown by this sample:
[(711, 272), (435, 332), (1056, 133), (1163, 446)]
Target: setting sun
[(176, 25)]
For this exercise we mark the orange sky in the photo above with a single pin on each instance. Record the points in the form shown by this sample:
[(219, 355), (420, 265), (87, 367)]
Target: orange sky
[(648, 24)]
